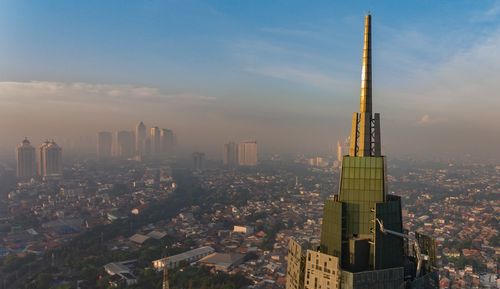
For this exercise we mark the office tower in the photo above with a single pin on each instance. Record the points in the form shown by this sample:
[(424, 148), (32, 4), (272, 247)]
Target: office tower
[(26, 160), (362, 242), (247, 153), (317, 162), (140, 139), (124, 145), (104, 144), (166, 142), (230, 156), (154, 135), (50, 160), (198, 161)]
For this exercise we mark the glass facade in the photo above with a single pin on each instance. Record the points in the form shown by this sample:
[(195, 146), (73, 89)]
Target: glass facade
[(362, 185), (389, 249), (333, 225), (349, 218)]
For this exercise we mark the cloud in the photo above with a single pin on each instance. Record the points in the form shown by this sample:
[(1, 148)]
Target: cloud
[(489, 15), (79, 92), (285, 55), (426, 119), (463, 87), (311, 78)]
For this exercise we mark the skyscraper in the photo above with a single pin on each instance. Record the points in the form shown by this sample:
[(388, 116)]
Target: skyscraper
[(166, 142), (247, 153), (362, 241), (198, 161), (124, 145), (230, 156), (26, 160), (50, 159), (41, 157), (104, 144), (154, 135), (140, 139)]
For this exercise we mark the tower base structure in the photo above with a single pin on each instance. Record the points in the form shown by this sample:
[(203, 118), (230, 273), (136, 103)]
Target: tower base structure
[(363, 243), (310, 269)]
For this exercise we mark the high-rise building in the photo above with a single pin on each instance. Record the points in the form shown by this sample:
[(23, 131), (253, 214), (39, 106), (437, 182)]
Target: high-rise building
[(230, 156), (363, 244), (41, 157), (154, 135), (166, 142), (317, 162), (50, 160), (198, 161), (26, 160), (140, 139), (247, 153), (104, 144), (124, 145)]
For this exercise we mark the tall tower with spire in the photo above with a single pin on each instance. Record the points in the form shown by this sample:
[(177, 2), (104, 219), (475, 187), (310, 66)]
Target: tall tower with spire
[(362, 244)]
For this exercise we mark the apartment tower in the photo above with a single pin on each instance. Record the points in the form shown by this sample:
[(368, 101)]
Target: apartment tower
[(26, 160)]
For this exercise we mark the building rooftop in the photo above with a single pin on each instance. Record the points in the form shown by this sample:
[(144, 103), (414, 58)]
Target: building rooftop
[(139, 238)]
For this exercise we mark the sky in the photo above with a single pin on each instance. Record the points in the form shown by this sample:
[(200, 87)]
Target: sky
[(285, 73)]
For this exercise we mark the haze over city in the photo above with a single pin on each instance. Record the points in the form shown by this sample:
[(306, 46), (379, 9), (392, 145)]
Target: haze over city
[(191, 144), (280, 72)]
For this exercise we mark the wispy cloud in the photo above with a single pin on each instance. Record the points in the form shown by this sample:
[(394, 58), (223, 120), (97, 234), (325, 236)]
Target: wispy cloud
[(311, 78), (305, 33), (80, 92), (426, 119), (467, 82), (489, 15), (285, 61)]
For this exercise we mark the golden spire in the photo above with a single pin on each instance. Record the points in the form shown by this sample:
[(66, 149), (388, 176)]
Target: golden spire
[(365, 135), (366, 72)]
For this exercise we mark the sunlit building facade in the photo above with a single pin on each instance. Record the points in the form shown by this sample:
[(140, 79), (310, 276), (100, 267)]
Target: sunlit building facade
[(50, 160), (26, 160), (247, 153)]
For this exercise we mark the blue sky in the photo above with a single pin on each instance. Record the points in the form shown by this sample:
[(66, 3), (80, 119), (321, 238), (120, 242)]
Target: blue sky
[(250, 69)]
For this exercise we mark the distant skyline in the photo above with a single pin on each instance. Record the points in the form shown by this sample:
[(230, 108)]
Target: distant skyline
[(285, 73)]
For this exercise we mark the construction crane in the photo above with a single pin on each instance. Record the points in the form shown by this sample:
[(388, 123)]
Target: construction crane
[(418, 253)]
